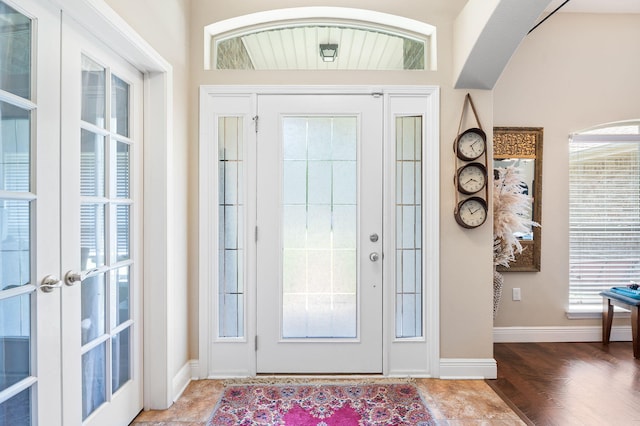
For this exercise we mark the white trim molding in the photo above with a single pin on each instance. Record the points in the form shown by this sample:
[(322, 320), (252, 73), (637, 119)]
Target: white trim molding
[(468, 368), (559, 334)]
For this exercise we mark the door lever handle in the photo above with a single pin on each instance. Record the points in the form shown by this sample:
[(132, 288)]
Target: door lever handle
[(71, 277), (49, 283)]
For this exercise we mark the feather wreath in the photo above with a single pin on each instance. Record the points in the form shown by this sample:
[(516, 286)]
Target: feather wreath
[(511, 210)]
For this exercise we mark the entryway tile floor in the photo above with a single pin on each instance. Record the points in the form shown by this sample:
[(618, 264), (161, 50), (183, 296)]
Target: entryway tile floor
[(452, 402)]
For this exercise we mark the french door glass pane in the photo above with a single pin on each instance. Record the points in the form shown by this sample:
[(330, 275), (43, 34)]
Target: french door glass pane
[(93, 307), (319, 227), (15, 143), (92, 235), (15, 340), (15, 246), (119, 106), (408, 227), (92, 164), (17, 409), (122, 230), (15, 51), (121, 362), (122, 170), (93, 92), (120, 286), (94, 379)]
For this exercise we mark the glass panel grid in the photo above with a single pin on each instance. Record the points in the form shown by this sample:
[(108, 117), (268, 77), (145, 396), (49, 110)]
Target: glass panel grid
[(408, 171), (15, 147), (319, 227), (106, 215), (231, 292)]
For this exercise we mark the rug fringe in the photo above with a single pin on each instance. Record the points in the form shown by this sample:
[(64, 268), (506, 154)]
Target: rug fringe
[(315, 380)]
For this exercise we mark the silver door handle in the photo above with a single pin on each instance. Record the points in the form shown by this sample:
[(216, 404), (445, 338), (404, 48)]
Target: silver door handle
[(374, 257), (71, 277), (49, 283)]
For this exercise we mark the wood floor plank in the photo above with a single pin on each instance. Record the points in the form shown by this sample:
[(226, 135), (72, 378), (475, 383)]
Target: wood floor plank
[(551, 384)]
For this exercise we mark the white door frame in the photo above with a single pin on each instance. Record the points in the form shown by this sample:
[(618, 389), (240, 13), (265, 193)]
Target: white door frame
[(99, 18), (419, 357)]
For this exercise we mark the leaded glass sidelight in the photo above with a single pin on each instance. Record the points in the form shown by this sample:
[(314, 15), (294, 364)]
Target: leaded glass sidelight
[(231, 293), (408, 174)]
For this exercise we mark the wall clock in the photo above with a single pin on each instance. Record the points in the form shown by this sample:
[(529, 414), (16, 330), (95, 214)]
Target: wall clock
[(471, 213), (471, 178), (471, 144)]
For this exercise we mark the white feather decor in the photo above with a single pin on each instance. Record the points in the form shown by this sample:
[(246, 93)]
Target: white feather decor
[(511, 213)]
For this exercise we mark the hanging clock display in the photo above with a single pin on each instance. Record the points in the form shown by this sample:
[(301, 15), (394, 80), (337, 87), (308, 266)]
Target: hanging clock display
[(471, 144), (471, 173), (471, 213), (471, 178)]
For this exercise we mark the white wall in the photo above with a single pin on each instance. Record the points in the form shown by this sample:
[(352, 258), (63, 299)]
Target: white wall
[(575, 71)]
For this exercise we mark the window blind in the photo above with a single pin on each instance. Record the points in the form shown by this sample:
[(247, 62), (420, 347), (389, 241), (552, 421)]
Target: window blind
[(604, 215)]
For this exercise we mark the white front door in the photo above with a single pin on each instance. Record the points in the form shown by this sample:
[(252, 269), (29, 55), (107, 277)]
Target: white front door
[(319, 234), (70, 162)]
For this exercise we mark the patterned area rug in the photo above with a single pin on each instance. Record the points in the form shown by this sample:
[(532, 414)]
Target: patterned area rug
[(322, 405)]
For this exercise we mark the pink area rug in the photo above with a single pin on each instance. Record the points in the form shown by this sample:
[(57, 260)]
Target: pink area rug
[(322, 405)]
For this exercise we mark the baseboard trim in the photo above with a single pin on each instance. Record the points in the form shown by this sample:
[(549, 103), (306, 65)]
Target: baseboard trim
[(468, 368), (181, 380), (620, 333)]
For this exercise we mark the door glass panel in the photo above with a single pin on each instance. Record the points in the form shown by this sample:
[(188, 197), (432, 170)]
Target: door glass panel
[(119, 106), (92, 236), (231, 229), (93, 92), (121, 350), (15, 51), (319, 227), (122, 229), (94, 379), (15, 142), (17, 409), (93, 307), (92, 163), (15, 260), (15, 340), (122, 170), (120, 293), (408, 227)]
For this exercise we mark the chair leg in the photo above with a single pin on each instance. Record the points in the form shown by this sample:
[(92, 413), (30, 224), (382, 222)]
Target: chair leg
[(607, 320), (635, 329)]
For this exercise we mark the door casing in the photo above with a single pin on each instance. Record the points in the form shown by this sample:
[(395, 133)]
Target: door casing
[(417, 357)]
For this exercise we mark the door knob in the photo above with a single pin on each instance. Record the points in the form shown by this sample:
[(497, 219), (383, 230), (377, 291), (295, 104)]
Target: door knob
[(49, 283), (374, 257), (71, 277)]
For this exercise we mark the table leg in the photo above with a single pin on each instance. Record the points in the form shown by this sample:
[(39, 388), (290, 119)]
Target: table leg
[(607, 320), (635, 329)]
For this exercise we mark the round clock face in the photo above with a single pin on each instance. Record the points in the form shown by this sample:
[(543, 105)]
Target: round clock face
[(471, 212), (471, 144), (472, 178)]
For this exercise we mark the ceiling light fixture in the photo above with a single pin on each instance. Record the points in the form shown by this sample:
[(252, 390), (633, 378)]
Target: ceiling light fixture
[(328, 52)]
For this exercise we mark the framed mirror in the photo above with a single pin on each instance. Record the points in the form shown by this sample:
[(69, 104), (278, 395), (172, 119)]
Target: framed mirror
[(522, 147)]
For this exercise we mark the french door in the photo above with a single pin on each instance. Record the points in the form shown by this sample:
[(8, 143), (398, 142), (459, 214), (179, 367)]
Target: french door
[(70, 142), (319, 234)]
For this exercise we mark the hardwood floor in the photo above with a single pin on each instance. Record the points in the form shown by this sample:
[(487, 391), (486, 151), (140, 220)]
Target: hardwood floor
[(569, 383)]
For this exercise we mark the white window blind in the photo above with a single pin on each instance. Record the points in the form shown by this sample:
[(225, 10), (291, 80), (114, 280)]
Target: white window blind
[(604, 212)]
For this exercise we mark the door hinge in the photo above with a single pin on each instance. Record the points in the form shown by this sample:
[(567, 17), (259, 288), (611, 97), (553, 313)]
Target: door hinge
[(255, 122), (376, 94), (256, 234), (256, 342)]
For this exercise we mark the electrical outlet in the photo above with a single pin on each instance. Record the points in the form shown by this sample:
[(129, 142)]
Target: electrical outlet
[(516, 294)]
